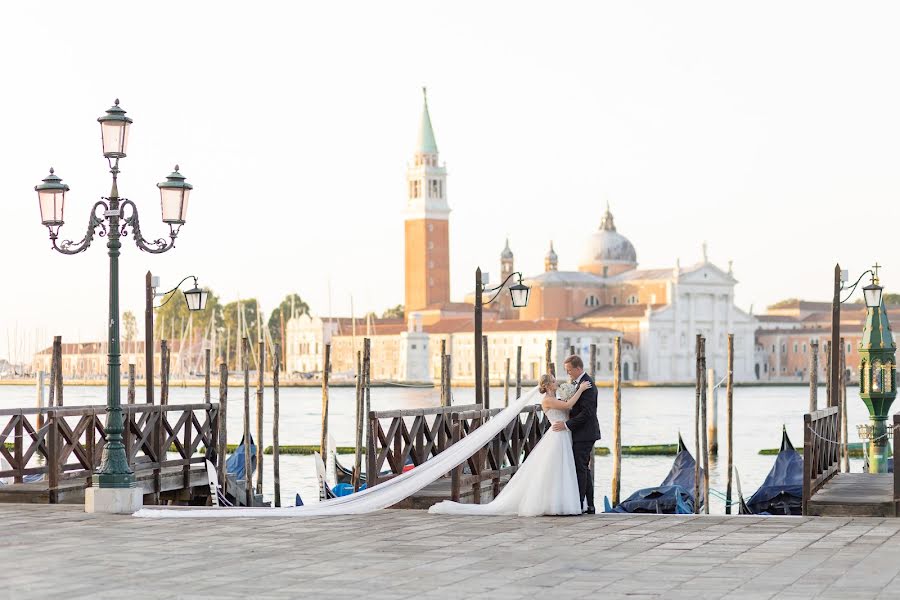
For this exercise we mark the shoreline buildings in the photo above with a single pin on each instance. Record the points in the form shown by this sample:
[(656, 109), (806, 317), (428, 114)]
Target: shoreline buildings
[(658, 312)]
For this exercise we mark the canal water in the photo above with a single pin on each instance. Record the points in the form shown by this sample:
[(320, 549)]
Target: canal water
[(649, 416)]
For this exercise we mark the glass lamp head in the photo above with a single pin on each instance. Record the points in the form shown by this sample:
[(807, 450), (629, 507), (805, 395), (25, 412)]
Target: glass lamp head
[(174, 194), (196, 298), (872, 293), (114, 126), (51, 199), (519, 293)]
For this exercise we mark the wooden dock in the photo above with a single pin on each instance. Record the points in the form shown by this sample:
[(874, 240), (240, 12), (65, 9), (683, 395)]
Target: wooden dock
[(63, 446), (827, 492)]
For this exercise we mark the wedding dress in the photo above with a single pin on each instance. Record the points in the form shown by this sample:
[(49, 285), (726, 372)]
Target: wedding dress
[(545, 484), (401, 487)]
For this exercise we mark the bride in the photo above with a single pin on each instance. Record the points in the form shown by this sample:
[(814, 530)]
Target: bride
[(546, 483)]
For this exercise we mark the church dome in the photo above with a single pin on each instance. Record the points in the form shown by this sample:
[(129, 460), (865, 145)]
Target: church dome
[(506, 254), (608, 252)]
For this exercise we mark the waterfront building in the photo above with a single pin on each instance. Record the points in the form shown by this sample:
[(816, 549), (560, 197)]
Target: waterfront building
[(88, 360)]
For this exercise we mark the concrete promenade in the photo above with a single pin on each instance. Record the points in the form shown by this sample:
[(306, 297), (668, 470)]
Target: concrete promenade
[(58, 551)]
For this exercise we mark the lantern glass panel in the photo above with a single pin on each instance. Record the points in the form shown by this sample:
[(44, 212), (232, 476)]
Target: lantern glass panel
[(519, 295), (51, 203), (115, 138), (174, 204), (873, 295), (876, 376), (195, 299)]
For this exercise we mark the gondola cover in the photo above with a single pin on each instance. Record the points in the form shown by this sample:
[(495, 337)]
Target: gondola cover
[(782, 491), (675, 495)]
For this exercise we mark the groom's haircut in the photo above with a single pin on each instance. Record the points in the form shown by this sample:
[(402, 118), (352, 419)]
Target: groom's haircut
[(575, 361)]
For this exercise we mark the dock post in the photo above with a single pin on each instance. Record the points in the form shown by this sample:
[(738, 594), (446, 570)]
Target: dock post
[(486, 379), (449, 359), (367, 369), (713, 425), (207, 393), (698, 384), (40, 399), (223, 423), (260, 390), (548, 357), (617, 421), (729, 421), (164, 372), (326, 367), (842, 396), (457, 472), (248, 471), (357, 460), (703, 416), (518, 372), (131, 391), (276, 414), (56, 388), (506, 386), (813, 376), (592, 370), (443, 373), (827, 373)]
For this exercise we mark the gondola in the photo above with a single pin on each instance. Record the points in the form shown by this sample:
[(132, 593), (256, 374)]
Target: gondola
[(235, 463), (782, 491), (345, 475), (674, 496), (326, 492)]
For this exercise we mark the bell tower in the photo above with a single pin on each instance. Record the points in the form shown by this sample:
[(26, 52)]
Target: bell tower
[(427, 223)]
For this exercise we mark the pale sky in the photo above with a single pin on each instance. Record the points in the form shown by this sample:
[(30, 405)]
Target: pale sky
[(768, 129)]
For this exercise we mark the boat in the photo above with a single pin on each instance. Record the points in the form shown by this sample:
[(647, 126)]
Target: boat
[(674, 496), (326, 492), (345, 475), (782, 491), (235, 463)]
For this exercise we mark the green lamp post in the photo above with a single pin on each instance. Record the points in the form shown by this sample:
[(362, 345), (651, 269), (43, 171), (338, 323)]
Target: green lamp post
[(877, 375), (112, 217)]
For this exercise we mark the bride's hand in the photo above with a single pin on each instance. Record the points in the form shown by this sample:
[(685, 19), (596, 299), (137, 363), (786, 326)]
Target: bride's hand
[(584, 385)]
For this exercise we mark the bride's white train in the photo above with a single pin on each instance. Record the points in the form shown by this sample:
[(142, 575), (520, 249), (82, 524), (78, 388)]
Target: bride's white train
[(393, 491)]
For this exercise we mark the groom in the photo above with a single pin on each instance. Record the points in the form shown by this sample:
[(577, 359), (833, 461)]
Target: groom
[(585, 430)]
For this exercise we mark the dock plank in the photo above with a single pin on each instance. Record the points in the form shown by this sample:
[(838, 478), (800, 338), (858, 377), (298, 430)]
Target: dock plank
[(855, 494)]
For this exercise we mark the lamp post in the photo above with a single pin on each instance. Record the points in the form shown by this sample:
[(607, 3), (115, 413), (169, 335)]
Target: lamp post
[(519, 294), (877, 376), (195, 299), (113, 486)]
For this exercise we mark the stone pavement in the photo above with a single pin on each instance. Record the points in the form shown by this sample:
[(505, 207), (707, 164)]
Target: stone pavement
[(56, 551)]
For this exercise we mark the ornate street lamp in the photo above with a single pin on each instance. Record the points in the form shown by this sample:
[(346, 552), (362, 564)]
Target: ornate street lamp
[(877, 376), (195, 298), (113, 486), (519, 295)]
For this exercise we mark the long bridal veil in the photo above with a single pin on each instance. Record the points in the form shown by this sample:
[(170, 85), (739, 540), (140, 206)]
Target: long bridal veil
[(382, 495)]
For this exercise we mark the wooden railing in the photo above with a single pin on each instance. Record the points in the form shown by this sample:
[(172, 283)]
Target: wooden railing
[(411, 435), (500, 457), (64, 443), (419, 434), (821, 450)]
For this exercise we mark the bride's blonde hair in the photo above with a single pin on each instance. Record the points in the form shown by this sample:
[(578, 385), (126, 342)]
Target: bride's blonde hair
[(546, 380)]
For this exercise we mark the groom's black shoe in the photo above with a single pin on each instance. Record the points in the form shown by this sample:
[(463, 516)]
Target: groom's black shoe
[(590, 511)]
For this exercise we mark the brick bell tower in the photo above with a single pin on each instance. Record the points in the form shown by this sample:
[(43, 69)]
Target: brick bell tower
[(427, 223)]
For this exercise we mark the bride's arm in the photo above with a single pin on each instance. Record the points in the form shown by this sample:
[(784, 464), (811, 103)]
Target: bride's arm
[(549, 403)]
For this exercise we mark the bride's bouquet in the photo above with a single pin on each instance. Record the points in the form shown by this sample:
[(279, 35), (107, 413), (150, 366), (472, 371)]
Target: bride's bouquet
[(566, 391)]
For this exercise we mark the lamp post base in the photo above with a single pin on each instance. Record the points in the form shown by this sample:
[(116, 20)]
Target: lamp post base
[(120, 501)]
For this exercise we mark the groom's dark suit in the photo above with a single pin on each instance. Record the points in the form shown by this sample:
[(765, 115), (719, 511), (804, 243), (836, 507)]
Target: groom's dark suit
[(585, 432)]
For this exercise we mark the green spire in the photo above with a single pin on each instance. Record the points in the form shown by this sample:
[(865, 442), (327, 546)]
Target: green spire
[(426, 143), (877, 333)]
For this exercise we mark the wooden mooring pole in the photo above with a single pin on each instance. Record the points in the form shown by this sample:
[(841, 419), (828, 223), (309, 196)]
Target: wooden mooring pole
[(443, 373), (729, 422), (813, 376), (828, 373), (40, 399), (223, 423), (705, 448), (506, 385), (548, 358), (486, 379), (207, 392), (617, 421), (592, 370), (357, 461), (248, 470), (842, 396), (518, 372), (56, 388), (260, 390), (276, 414), (326, 368), (367, 383), (164, 373), (712, 428), (698, 384), (131, 391)]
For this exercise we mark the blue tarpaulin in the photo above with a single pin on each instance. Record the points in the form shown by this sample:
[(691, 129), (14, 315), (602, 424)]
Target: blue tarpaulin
[(782, 491)]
